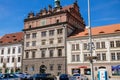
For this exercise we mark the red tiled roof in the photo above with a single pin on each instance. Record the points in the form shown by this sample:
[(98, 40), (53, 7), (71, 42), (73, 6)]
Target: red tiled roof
[(99, 30), (12, 38)]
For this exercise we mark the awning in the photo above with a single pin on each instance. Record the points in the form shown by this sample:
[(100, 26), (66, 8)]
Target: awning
[(82, 67)]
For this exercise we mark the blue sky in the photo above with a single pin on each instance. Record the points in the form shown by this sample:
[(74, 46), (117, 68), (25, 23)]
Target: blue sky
[(13, 12)]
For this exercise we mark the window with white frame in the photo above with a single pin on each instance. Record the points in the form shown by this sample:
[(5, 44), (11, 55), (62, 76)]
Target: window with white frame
[(2, 51), (8, 50), (75, 58), (34, 35), (85, 46), (13, 51), (43, 53), (101, 56), (51, 53), (117, 43), (43, 34), (75, 47), (59, 31), (102, 45), (19, 59), (51, 32), (33, 43), (27, 44), (113, 56), (27, 36), (43, 42), (19, 49), (112, 45), (85, 56)]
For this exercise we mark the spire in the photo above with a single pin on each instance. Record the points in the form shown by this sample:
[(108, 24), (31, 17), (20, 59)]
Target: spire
[(57, 4)]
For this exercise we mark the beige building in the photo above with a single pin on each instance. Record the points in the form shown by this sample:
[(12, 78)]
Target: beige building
[(45, 38), (106, 46)]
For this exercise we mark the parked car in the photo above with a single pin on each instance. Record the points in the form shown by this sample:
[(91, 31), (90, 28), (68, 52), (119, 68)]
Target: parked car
[(64, 77), (23, 76), (9, 77), (79, 77), (42, 77)]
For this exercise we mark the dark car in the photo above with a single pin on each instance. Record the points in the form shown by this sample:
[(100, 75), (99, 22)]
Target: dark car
[(9, 77), (42, 77), (64, 77)]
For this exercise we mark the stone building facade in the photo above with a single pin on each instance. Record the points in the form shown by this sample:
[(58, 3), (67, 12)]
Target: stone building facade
[(106, 46), (45, 38)]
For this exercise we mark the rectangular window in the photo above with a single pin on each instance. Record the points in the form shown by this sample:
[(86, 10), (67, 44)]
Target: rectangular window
[(32, 68), (51, 67), (2, 51), (43, 34), (19, 50), (26, 67), (102, 44), (1, 59), (97, 45), (34, 35), (27, 36), (113, 56), (51, 41), (33, 54), (59, 66), (60, 40), (85, 46), (27, 44), (51, 53), (103, 56), (8, 59), (117, 43), (27, 55), (85, 57), (77, 47), (8, 50), (77, 58), (73, 58), (43, 42), (112, 44), (19, 59), (73, 47), (59, 31), (118, 56), (51, 32), (13, 59), (59, 52), (33, 43), (42, 53), (13, 50), (98, 57)]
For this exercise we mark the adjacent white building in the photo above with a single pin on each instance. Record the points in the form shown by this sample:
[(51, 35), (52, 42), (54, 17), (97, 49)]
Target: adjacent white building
[(106, 46), (11, 52)]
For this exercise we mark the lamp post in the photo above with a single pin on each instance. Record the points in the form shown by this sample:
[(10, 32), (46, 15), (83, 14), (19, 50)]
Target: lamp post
[(90, 41)]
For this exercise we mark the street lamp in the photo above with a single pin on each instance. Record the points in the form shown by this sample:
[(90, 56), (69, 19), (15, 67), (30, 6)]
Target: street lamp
[(90, 42)]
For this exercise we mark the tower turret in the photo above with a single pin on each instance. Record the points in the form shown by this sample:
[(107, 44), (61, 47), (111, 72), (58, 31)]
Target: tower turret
[(57, 4)]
